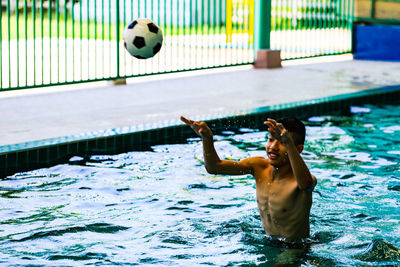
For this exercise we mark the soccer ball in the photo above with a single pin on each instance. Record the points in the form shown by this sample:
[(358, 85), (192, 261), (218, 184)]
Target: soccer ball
[(142, 38)]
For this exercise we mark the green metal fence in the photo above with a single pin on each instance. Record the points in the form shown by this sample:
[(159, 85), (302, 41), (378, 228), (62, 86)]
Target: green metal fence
[(67, 41), (303, 28)]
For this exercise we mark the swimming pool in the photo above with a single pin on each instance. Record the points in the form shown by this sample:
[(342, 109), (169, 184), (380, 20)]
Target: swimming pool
[(160, 207)]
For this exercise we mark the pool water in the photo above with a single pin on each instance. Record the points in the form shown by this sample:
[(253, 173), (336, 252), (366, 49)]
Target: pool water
[(160, 207)]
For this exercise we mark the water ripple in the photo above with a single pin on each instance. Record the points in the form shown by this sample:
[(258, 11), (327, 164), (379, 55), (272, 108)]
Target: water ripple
[(100, 228), (166, 210)]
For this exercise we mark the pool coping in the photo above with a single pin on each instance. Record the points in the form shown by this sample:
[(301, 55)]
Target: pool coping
[(44, 153)]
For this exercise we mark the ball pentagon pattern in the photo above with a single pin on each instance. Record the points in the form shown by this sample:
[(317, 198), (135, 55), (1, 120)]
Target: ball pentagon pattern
[(142, 38)]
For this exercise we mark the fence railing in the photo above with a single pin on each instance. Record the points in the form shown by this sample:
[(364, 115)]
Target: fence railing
[(57, 42), (302, 28)]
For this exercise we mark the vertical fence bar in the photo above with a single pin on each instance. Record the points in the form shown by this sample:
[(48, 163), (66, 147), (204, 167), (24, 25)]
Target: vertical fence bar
[(102, 36), (165, 35), (320, 25), (240, 15), (305, 13), (58, 38), (117, 37), (331, 16), (235, 26), (183, 37), (196, 20), (238, 33), (122, 52), (281, 30), (315, 22), (80, 41), (1, 49), (299, 26), (208, 40), (351, 17), (286, 40), (337, 19), (178, 43), (9, 42), (220, 32), (344, 18), (245, 30), (216, 38), (341, 20), (308, 26), (214, 33), (159, 23), (286, 23), (153, 19), (303, 47), (109, 39), (73, 40), (49, 21), (95, 41), (26, 40), (88, 38), (34, 40), (41, 39), (191, 31), (17, 37), (137, 65), (330, 25), (172, 38), (324, 25), (66, 41), (145, 63), (251, 25)]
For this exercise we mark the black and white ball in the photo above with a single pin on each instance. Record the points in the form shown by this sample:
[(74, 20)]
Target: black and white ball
[(142, 38)]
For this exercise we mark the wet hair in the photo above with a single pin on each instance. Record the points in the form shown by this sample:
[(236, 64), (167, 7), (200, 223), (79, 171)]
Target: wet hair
[(296, 127)]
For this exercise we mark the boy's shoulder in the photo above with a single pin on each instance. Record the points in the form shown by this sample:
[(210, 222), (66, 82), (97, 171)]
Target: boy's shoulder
[(258, 161)]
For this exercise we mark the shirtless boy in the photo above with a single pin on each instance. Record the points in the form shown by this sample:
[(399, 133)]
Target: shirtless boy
[(284, 184)]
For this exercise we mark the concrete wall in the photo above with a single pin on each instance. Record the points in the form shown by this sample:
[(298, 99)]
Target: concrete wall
[(383, 9)]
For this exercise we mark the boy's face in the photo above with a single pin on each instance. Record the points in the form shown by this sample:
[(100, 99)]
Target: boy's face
[(276, 152)]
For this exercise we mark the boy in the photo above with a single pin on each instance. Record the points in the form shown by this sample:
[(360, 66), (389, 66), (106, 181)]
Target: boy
[(284, 184)]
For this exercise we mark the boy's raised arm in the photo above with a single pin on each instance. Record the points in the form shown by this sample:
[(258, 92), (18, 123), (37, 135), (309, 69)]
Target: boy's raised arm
[(212, 161)]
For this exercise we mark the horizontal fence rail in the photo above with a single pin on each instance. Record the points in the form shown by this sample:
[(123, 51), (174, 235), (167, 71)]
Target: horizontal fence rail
[(68, 41)]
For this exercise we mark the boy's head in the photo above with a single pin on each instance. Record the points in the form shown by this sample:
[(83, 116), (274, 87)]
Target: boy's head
[(296, 127)]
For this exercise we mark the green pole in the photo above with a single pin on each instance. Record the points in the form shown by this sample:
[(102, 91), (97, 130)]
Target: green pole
[(262, 24), (117, 37)]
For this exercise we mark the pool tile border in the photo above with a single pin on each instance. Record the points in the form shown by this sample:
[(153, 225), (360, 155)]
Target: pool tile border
[(44, 153)]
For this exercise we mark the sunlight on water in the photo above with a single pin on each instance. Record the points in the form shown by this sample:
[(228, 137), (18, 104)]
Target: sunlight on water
[(160, 207)]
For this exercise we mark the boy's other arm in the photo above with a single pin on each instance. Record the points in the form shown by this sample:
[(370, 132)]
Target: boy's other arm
[(303, 176), (213, 163)]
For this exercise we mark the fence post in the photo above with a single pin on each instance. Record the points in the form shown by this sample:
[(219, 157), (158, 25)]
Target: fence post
[(265, 57), (263, 24)]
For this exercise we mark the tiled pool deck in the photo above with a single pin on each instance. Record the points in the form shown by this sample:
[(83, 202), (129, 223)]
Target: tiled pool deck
[(67, 115)]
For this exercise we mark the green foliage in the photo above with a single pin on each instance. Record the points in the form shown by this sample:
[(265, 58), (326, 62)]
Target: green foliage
[(64, 26)]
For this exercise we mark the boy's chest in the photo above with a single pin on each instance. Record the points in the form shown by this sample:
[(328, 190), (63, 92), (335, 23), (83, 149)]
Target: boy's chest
[(277, 195)]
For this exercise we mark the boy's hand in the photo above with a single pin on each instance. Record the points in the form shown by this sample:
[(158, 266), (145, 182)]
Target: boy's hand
[(278, 131), (199, 127)]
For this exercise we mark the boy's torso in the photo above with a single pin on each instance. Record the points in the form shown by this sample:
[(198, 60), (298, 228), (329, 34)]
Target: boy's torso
[(284, 208)]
